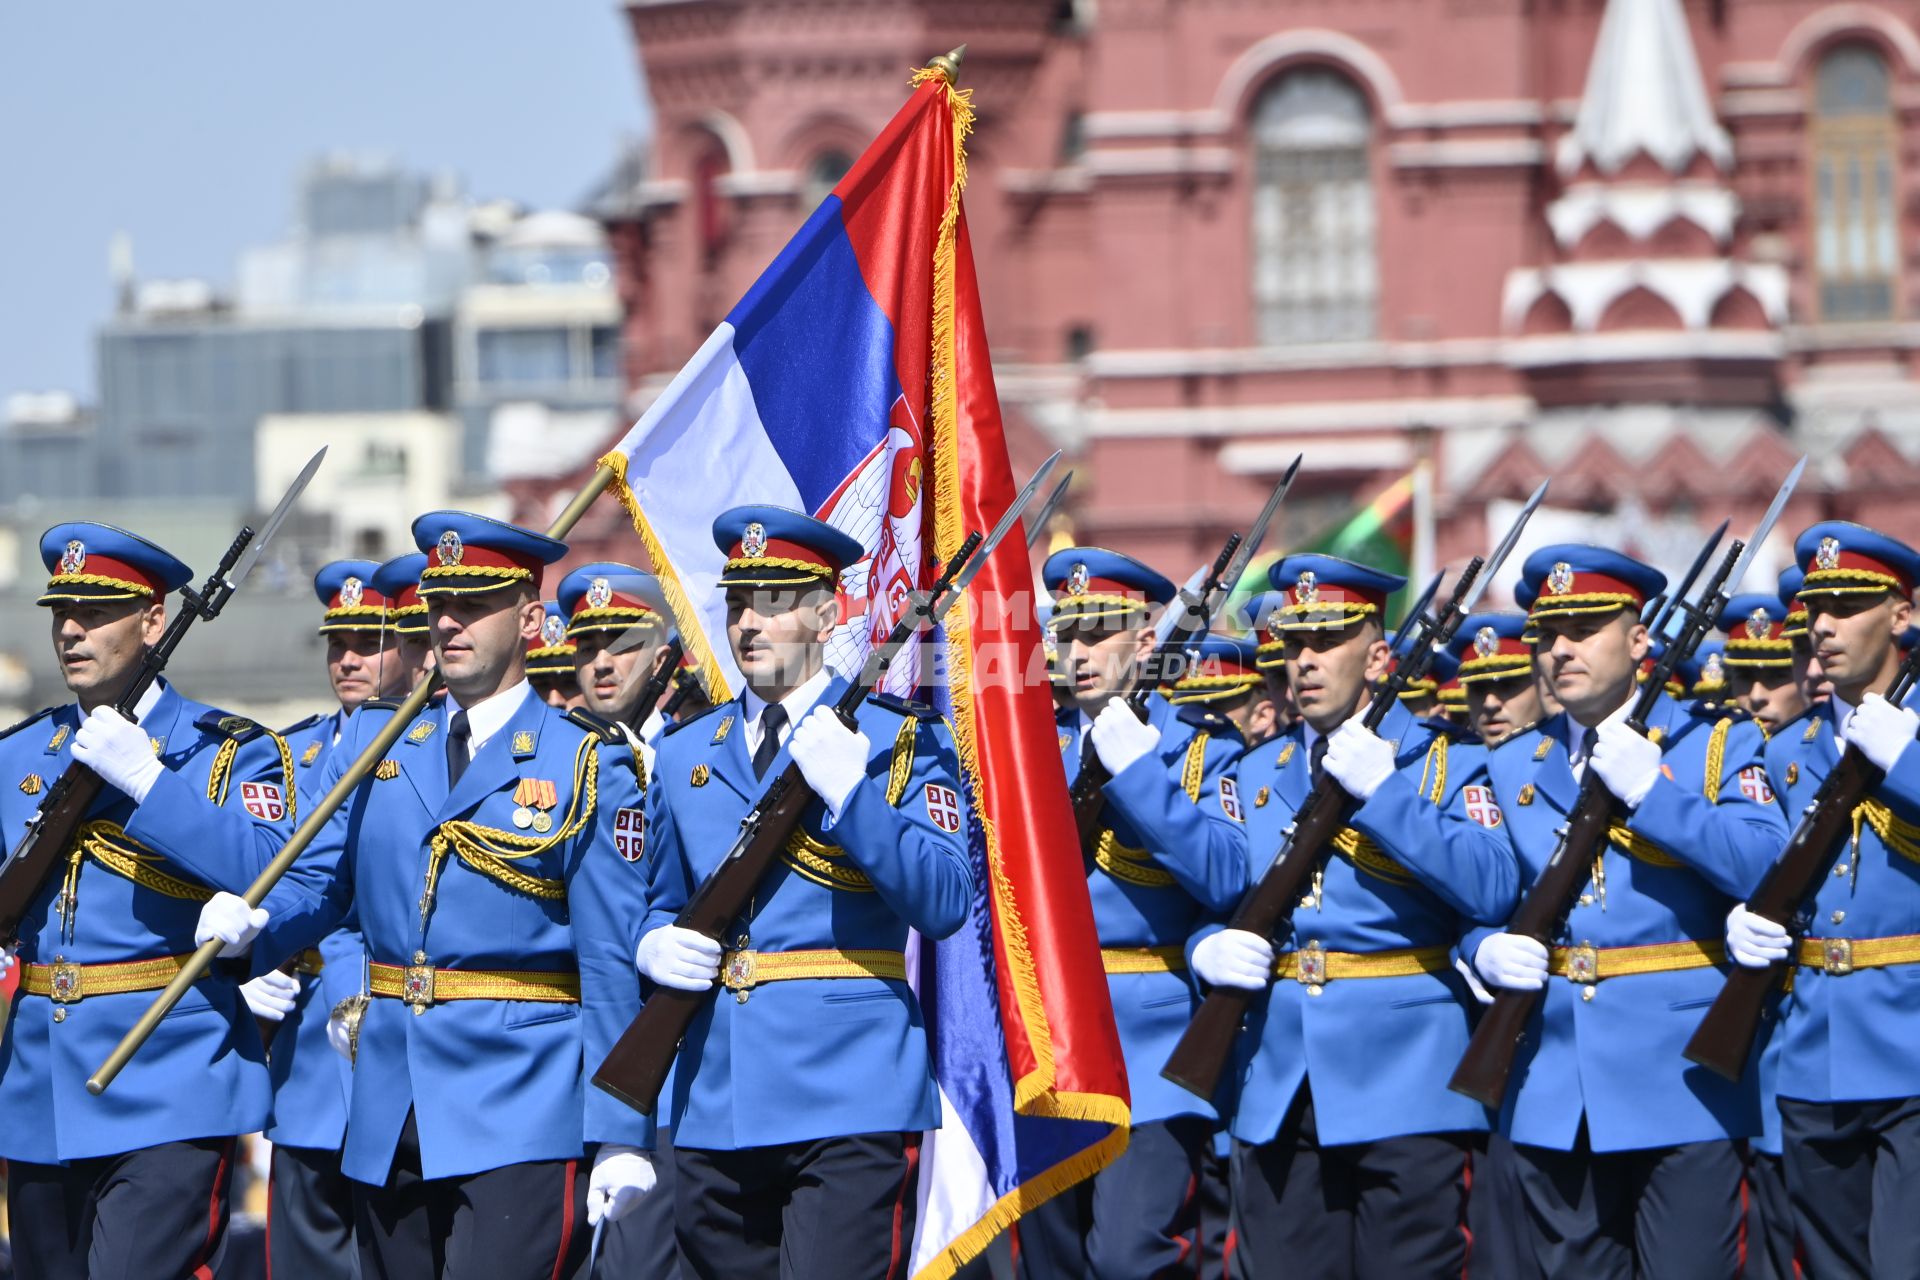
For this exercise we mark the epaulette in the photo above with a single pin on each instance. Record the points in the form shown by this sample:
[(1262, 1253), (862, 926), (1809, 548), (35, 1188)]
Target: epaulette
[(904, 706), (33, 719), (1456, 732), (606, 730), (1207, 721), (677, 725), (298, 726), (1515, 736), (239, 728)]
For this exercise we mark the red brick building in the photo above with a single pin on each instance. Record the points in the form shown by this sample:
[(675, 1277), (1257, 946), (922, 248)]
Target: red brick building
[(1656, 248)]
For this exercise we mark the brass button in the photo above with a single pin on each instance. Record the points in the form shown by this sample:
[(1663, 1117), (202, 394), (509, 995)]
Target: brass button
[(1586, 993), (1586, 899), (1838, 916), (60, 1015), (1840, 869)]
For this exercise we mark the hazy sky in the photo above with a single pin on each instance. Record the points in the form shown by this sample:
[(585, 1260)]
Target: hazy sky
[(185, 123)]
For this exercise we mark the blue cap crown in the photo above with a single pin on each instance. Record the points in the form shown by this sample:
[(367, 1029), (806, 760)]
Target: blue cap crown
[(92, 563), (1573, 579), (468, 553), (1092, 584), (1326, 593), (1840, 558), (768, 546)]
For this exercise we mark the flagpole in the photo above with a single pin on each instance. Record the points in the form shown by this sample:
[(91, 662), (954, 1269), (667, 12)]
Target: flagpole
[(303, 835)]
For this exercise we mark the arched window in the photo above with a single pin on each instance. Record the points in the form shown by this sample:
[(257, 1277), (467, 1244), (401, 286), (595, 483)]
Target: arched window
[(823, 175), (1856, 229), (1315, 278)]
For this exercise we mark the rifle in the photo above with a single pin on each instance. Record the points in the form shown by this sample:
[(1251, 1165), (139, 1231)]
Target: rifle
[(1188, 617), (1488, 1062), (1724, 1039), (638, 1063), (665, 664), (1037, 526), (1267, 910), (42, 849), (685, 685)]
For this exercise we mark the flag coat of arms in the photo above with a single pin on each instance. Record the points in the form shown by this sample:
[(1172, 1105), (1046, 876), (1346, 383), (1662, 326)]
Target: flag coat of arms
[(853, 381)]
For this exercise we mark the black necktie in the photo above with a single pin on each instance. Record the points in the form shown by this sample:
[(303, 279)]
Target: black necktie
[(1587, 742), (459, 734), (1316, 754), (771, 721)]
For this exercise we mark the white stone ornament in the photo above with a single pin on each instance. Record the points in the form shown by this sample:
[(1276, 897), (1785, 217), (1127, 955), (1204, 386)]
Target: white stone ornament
[(753, 542), (451, 549), (74, 558), (1560, 580), (350, 593), (599, 593)]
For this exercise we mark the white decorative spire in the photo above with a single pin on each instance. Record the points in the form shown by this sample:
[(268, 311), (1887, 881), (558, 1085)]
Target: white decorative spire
[(1644, 93)]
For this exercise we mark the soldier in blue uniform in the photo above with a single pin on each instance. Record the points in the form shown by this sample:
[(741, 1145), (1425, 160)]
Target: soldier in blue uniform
[(399, 581), (550, 661), (801, 1089), (492, 862), (1225, 678), (1496, 671), (1350, 1156), (310, 1203), (1625, 1152), (1760, 663), (133, 1183), (1848, 1081), (1171, 855)]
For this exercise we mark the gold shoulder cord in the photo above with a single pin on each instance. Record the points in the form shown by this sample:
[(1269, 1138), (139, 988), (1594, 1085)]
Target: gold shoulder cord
[(492, 851), (823, 863)]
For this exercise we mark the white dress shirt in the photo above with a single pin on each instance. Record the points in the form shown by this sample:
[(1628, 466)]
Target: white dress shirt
[(490, 715), (797, 704)]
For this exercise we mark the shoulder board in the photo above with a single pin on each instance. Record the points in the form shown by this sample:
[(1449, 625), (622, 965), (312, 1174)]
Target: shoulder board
[(1446, 728), (1514, 737), (298, 726), (604, 729), (903, 706), (239, 728), (678, 725), (376, 704), (33, 719), (1206, 721)]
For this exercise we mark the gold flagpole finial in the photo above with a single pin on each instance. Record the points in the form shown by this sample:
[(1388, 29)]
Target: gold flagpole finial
[(948, 64)]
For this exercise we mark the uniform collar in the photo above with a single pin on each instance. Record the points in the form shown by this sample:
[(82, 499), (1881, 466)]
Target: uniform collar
[(490, 715), (797, 703)]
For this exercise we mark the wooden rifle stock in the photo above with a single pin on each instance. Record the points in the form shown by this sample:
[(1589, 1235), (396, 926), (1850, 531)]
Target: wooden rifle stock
[(665, 664)]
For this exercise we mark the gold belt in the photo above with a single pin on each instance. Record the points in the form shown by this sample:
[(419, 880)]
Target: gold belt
[(421, 985), (1841, 956), (67, 983), (1585, 966), (1171, 959), (1313, 966), (742, 971), (310, 962)]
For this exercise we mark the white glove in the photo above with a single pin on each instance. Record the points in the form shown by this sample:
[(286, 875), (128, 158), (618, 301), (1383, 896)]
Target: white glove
[(1513, 961), (1474, 984), (1754, 941), (271, 995), (1878, 728), (119, 751), (1234, 958), (339, 1036), (1626, 761), (832, 757), (1120, 737), (228, 918), (6, 959), (679, 958), (621, 1175), (1358, 759)]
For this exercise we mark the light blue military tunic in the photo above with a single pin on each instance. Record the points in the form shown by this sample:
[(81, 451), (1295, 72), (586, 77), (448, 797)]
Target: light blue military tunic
[(214, 819), (813, 1058), (1376, 1052), (310, 1081), (491, 1082), (1704, 837), (1849, 1038), (1176, 859)]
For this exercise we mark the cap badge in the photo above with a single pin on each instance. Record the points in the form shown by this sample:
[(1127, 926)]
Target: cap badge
[(1828, 556), (1077, 579), (350, 592), (1560, 580), (553, 630), (1759, 622), (451, 549), (753, 542), (74, 558), (599, 593), (1486, 642), (1712, 669), (1306, 589)]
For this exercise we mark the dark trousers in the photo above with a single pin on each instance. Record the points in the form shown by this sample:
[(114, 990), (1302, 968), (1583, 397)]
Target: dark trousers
[(836, 1209), (1853, 1174), (520, 1222), (1631, 1215), (1136, 1219), (1214, 1201), (1397, 1207), (641, 1244), (309, 1216), (1495, 1213), (158, 1211), (1767, 1230)]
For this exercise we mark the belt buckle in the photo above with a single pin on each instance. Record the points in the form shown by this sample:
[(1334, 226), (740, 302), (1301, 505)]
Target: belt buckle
[(416, 987), (737, 973), (1310, 967), (67, 985), (1836, 956), (1583, 965)]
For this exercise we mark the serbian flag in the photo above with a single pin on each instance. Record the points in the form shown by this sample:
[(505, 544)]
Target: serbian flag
[(853, 381)]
